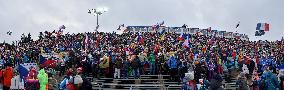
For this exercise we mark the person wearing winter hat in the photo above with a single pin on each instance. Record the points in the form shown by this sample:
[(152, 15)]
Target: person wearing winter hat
[(78, 79)]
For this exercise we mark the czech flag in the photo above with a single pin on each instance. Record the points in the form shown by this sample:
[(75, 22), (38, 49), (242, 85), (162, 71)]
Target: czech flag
[(46, 63), (180, 37), (262, 26), (24, 69)]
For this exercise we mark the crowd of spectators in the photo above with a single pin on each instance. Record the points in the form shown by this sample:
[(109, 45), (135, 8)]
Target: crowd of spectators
[(133, 54)]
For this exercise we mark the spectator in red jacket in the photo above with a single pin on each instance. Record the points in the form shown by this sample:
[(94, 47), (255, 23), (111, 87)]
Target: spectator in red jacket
[(8, 75)]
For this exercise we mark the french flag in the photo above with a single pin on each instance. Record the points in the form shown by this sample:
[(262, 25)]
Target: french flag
[(262, 26)]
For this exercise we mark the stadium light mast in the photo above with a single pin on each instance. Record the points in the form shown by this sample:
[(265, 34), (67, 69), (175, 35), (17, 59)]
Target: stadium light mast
[(97, 12)]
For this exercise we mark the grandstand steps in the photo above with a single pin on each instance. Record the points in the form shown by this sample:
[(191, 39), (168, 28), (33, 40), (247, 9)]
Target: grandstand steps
[(149, 82)]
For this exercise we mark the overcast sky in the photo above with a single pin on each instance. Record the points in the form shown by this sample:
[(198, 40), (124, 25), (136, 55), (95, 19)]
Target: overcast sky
[(34, 16)]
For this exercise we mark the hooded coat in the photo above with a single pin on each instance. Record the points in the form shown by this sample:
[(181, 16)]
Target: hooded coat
[(8, 75), (271, 80), (151, 58), (43, 79), (172, 63)]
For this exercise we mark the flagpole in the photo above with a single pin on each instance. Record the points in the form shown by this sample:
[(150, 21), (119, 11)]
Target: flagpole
[(237, 27)]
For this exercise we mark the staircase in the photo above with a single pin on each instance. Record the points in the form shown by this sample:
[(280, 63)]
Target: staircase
[(148, 82)]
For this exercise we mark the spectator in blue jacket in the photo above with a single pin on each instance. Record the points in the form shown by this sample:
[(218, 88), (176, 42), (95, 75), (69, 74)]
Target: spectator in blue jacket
[(172, 63)]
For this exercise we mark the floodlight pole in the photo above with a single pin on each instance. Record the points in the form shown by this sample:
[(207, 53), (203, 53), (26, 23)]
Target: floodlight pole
[(97, 13)]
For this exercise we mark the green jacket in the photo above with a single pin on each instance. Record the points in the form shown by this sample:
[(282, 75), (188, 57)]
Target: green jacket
[(43, 79), (151, 58)]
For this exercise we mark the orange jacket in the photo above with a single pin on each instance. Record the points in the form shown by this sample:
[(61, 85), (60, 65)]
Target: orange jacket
[(8, 75)]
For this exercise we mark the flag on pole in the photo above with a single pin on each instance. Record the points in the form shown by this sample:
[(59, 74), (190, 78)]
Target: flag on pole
[(162, 23), (24, 69), (86, 41), (140, 38), (62, 27), (262, 26), (180, 37), (186, 43), (238, 25), (120, 26), (184, 26)]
